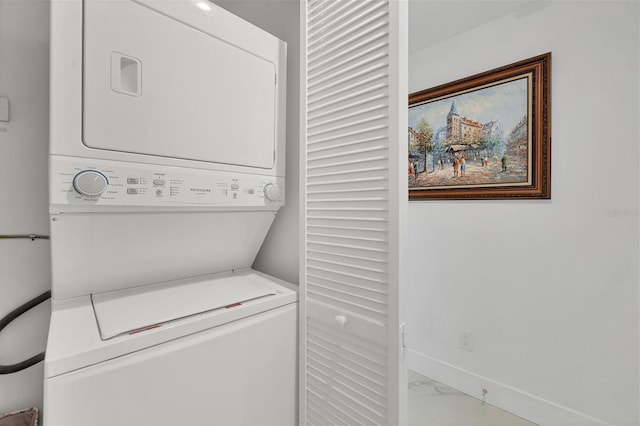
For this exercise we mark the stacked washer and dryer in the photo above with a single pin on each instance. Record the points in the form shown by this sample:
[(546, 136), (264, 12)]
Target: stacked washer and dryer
[(166, 172)]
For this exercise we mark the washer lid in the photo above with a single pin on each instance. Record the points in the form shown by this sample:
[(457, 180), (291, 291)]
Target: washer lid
[(142, 308)]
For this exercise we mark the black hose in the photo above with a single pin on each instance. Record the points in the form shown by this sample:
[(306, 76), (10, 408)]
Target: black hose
[(14, 368)]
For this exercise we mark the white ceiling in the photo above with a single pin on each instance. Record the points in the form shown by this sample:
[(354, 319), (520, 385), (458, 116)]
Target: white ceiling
[(432, 21)]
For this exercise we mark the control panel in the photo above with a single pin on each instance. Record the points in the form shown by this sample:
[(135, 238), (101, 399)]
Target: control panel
[(77, 182)]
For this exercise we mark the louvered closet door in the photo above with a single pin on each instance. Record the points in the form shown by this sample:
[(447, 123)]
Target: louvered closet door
[(354, 201)]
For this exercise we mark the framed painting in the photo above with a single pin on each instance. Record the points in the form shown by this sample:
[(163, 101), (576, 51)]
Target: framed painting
[(483, 137)]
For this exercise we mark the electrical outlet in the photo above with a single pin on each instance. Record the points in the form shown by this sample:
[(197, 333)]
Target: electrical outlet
[(465, 340)]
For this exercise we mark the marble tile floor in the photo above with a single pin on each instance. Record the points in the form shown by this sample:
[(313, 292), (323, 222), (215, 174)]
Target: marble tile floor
[(435, 404)]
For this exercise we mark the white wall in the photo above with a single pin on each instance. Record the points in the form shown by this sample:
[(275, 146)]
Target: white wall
[(24, 265), (548, 288), (279, 253)]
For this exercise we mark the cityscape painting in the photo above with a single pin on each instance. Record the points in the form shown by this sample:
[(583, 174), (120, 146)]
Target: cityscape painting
[(486, 136)]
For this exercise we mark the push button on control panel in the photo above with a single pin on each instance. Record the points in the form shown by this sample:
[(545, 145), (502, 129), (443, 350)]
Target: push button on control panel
[(132, 191), (159, 182), (132, 181)]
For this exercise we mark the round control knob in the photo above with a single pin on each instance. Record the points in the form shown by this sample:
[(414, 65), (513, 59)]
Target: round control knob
[(271, 192), (90, 182)]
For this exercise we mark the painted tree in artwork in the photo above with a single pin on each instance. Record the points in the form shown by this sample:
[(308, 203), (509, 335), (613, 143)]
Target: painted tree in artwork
[(424, 139)]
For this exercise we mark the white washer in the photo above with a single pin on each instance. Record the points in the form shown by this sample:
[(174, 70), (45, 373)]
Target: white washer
[(166, 172), (231, 365)]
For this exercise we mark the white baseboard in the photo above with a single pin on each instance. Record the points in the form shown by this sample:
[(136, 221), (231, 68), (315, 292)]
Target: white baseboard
[(516, 401)]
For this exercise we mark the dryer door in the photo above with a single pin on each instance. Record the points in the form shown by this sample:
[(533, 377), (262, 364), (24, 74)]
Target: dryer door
[(156, 85)]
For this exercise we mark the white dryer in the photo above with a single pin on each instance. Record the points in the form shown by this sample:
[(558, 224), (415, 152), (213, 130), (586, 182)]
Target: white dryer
[(166, 172)]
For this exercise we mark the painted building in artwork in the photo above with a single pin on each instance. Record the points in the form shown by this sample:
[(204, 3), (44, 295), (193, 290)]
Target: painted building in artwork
[(413, 140), (518, 140), (462, 128), (440, 136), (492, 130)]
